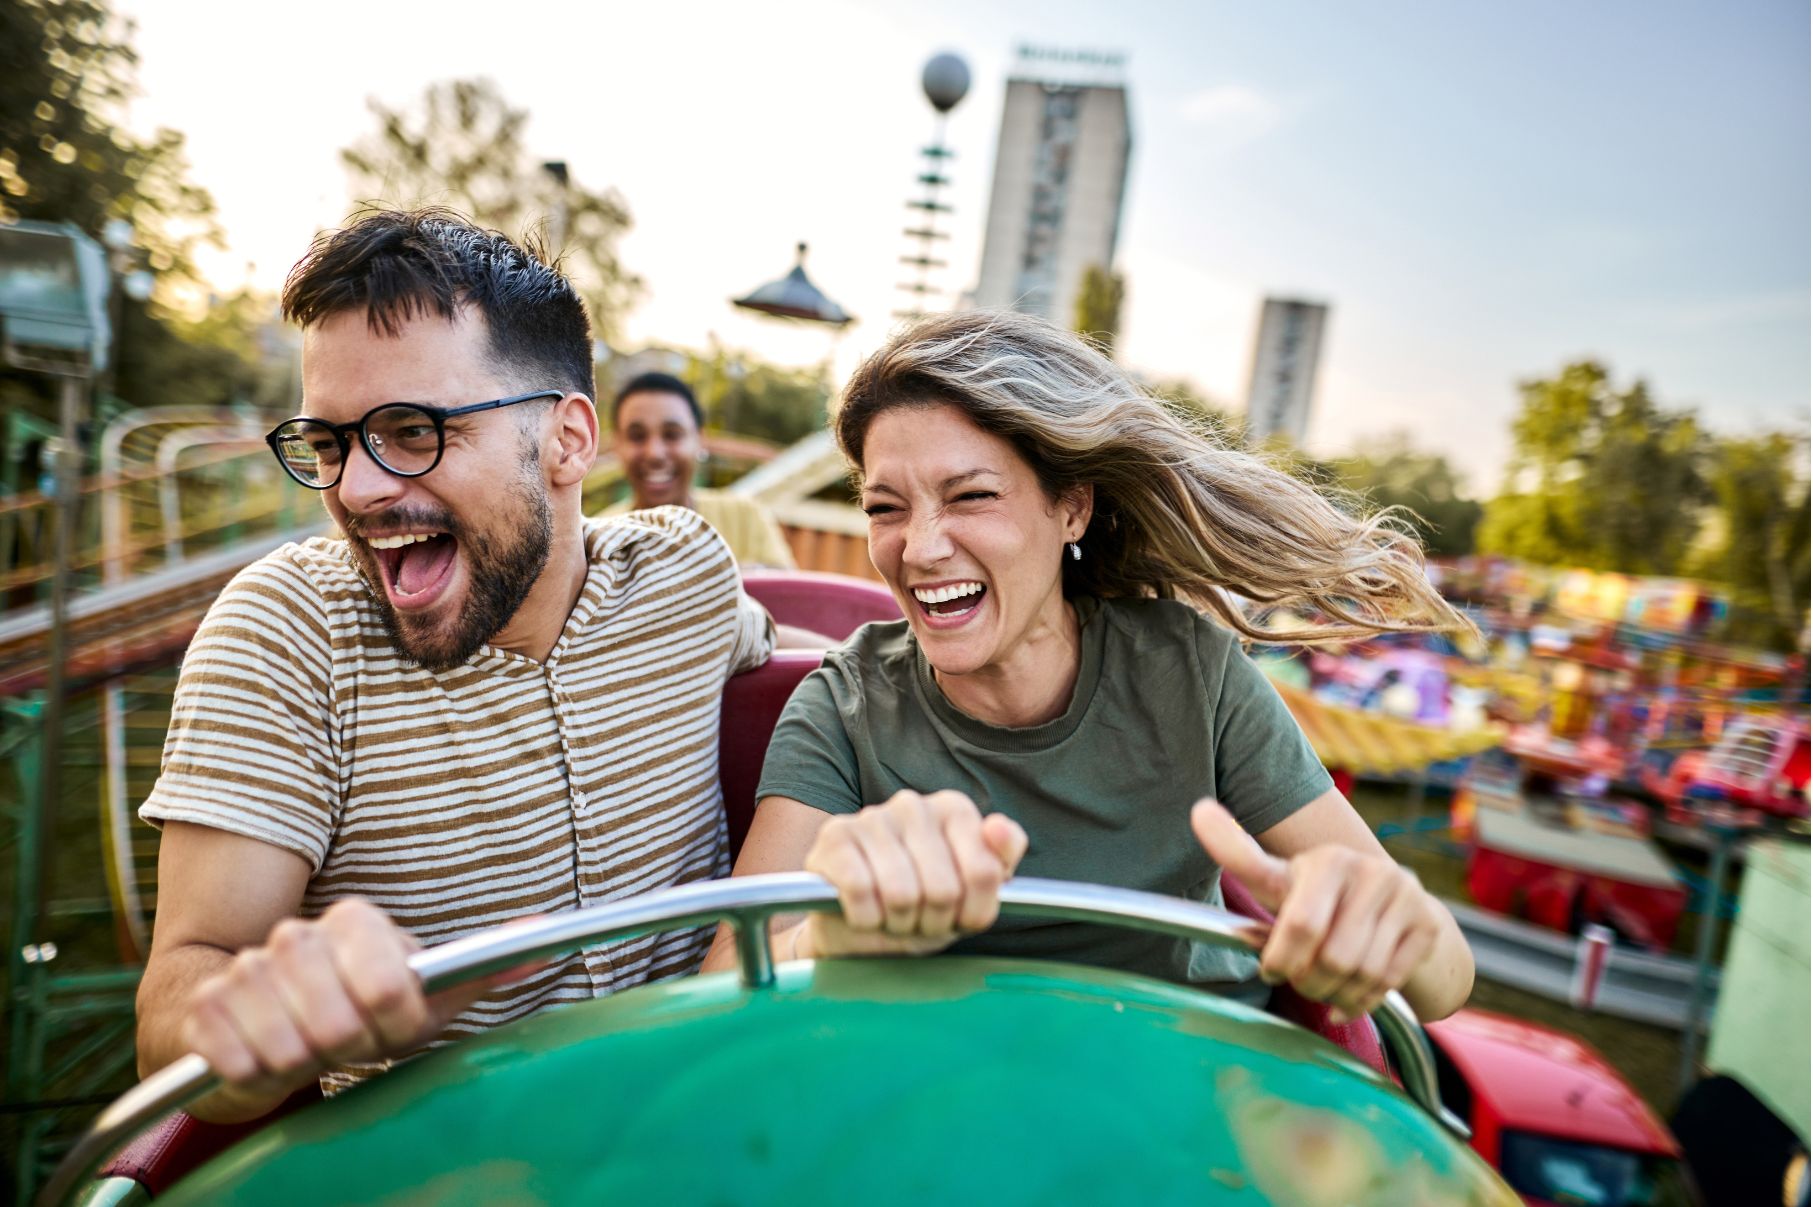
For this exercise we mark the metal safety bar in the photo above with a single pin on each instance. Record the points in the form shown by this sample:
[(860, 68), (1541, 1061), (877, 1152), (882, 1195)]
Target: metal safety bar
[(746, 902)]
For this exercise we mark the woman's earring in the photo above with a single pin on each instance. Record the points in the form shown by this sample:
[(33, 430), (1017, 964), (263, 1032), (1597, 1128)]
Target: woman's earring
[(1076, 551)]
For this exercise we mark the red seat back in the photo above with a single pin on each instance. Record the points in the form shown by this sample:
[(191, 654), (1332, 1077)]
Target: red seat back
[(752, 706), (1360, 1037), (833, 604)]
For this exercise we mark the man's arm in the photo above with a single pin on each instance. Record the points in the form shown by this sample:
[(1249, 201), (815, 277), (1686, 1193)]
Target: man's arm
[(219, 893), (270, 1000)]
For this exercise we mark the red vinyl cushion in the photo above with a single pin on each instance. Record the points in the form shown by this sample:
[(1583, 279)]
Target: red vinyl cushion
[(752, 706), (833, 604), (166, 1153)]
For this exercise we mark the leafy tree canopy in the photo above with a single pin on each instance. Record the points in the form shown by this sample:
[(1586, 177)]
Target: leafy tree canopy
[(1098, 306), (1599, 477), (1758, 536), (462, 147), (1389, 472)]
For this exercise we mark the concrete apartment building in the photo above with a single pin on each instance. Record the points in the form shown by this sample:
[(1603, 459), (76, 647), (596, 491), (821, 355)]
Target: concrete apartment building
[(1060, 178)]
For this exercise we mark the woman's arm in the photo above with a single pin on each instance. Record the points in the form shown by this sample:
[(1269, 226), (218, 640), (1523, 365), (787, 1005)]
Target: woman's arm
[(1352, 923), (912, 875)]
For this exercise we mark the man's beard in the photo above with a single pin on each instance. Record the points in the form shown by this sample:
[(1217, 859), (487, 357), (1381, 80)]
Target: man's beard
[(501, 570)]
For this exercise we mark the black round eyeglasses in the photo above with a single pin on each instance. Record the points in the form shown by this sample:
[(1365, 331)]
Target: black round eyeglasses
[(406, 438)]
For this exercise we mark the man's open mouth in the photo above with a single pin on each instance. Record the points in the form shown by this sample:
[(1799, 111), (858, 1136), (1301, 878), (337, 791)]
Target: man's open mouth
[(414, 564)]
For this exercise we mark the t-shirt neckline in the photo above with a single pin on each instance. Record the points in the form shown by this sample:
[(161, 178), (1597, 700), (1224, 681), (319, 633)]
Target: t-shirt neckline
[(1091, 639)]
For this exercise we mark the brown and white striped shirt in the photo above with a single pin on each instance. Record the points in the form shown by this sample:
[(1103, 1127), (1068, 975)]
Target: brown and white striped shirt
[(459, 799)]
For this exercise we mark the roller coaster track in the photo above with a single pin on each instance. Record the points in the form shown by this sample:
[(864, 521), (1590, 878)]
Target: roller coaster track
[(116, 630)]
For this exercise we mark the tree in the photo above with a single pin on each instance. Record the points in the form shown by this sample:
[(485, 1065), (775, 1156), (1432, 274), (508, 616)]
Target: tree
[(67, 71), (1598, 477), (1182, 396), (1098, 306), (1758, 542), (1390, 473), (463, 148)]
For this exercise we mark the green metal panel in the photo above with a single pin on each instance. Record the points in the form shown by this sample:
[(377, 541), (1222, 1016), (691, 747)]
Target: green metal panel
[(1760, 1032), (875, 1082)]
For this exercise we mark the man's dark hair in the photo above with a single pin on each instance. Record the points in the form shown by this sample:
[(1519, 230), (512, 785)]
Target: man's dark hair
[(658, 383), (398, 265)]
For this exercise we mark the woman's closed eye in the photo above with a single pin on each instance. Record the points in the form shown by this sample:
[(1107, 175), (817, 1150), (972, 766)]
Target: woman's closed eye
[(972, 496), (879, 509)]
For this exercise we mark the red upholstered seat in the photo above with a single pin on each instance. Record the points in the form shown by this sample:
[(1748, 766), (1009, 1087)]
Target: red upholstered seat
[(752, 706), (1360, 1037), (833, 604), (157, 1159)]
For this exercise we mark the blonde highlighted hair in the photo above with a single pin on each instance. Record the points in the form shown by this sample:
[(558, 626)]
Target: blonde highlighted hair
[(1179, 514)]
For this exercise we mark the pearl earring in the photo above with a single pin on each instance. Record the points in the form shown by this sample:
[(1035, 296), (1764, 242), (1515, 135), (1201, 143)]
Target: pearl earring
[(1076, 551)]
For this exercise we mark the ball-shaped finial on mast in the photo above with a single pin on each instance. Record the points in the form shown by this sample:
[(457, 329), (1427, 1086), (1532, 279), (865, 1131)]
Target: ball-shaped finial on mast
[(946, 81)]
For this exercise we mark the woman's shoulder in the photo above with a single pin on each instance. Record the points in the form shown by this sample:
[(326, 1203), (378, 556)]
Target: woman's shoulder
[(879, 655), (1161, 622)]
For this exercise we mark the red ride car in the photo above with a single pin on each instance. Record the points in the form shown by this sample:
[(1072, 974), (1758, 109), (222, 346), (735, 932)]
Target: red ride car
[(1558, 1123)]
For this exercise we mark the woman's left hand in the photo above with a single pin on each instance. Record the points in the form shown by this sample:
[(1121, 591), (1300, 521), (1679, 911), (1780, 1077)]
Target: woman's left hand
[(1350, 926)]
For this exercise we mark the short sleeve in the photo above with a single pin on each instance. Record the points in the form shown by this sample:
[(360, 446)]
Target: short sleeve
[(755, 634), (1265, 768), (251, 747), (811, 758)]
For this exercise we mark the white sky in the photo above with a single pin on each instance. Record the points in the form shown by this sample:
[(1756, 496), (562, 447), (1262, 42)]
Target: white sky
[(1482, 193)]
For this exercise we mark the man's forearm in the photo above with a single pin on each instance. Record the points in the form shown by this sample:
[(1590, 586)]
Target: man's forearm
[(164, 996)]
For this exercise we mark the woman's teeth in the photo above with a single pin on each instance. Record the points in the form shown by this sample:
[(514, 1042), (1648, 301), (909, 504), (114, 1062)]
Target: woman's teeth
[(397, 542), (937, 595)]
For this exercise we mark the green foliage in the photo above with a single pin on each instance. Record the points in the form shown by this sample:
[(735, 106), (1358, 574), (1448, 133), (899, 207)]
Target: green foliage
[(1759, 541), (66, 73), (463, 148), (1391, 473), (750, 397), (1098, 306), (1182, 396), (1599, 478), (739, 393)]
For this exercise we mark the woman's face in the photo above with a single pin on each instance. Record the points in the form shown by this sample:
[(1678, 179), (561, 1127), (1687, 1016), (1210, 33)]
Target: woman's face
[(658, 443), (964, 534)]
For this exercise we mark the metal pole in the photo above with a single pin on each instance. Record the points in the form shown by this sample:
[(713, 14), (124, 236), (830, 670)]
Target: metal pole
[(1702, 955), (51, 741)]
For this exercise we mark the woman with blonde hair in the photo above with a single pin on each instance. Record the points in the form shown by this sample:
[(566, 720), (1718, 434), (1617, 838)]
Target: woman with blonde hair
[(1068, 681)]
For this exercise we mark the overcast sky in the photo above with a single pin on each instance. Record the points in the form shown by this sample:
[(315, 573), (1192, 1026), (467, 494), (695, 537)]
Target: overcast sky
[(1482, 192)]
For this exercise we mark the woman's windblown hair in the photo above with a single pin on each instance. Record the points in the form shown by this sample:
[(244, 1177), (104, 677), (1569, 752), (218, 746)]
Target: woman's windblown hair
[(1178, 513)]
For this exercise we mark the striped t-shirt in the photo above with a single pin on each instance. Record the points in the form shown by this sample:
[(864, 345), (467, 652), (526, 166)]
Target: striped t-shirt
[(460, 799)]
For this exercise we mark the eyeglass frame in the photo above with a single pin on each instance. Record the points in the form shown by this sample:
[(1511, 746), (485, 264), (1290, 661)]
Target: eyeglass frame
[(437, 415)]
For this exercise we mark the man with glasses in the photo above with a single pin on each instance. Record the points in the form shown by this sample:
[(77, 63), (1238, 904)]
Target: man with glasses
[(472, 705)]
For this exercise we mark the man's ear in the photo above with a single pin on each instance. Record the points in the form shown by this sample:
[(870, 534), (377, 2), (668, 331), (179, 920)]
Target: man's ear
[(575, 436), (1077, 505)]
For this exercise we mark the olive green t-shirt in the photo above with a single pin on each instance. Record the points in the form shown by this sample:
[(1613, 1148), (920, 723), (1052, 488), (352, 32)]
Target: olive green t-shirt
[(1166, 710)]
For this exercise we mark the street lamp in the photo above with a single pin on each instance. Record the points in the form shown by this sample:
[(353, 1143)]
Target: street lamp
[(946, 82)]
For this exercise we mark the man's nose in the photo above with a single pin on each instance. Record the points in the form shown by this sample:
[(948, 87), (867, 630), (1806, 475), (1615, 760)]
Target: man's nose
[(365, 486)]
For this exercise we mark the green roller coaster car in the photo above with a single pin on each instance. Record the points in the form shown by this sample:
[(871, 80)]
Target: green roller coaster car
[(859, 1081)]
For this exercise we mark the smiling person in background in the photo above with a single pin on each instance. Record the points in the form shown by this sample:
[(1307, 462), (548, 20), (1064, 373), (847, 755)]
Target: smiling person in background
[(1067, 696), (441, 719), (655, 425)]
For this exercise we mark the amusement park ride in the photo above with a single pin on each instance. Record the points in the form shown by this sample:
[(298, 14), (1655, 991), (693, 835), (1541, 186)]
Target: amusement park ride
[(1099, 1086)]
